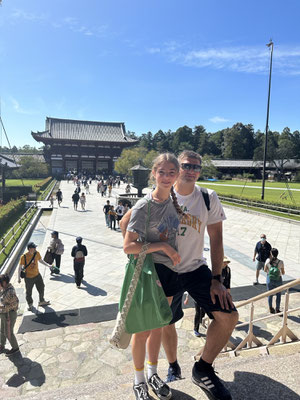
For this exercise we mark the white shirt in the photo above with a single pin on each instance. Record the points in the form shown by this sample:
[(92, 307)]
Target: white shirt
[(190, 238)]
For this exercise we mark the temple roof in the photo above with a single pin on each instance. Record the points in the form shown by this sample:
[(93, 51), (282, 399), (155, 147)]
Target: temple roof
[(8, 161), (68, 129)]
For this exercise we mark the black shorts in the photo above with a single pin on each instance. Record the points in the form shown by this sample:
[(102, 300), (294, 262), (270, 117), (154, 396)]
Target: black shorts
[(197, 283)]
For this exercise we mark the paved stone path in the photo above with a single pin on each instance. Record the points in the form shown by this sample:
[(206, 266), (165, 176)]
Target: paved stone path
[(77, 362)]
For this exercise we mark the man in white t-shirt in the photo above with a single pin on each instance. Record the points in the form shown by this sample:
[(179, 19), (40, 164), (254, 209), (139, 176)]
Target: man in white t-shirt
[(193, 275)]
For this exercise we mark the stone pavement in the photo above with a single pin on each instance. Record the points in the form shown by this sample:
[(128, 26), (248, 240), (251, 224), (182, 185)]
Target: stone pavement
[(106, 261), (77, 361)]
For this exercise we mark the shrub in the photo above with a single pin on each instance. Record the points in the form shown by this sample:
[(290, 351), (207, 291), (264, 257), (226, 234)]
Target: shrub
[(10, 209)]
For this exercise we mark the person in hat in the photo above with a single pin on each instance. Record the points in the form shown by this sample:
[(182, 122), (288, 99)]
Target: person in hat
[(9, 303), (29, 265), (79, 252)]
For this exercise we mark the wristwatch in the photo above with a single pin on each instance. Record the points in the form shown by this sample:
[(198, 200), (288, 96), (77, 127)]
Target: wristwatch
[(217, 277)]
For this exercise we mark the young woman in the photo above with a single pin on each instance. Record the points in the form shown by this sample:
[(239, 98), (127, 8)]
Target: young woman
[(82, 201), (161, 234), (275, 269), (9, 303)]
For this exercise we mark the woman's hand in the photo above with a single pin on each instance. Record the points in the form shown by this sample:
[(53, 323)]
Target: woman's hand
[(172, 253)]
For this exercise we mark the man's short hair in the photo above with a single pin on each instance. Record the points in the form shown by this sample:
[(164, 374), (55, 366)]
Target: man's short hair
[(189, 154), (79, 239), (31, 245)]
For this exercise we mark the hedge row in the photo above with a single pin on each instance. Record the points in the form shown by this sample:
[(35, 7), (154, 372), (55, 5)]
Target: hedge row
[(10, 209), (42, 185), (262, 202)]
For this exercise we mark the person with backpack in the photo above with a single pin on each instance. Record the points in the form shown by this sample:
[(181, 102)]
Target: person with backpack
[(79, 252), (274, 269), (203, 211), (56, 247), (29, 270)]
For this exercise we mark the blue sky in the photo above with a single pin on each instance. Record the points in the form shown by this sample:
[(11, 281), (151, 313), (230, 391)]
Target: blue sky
[(153, 65)]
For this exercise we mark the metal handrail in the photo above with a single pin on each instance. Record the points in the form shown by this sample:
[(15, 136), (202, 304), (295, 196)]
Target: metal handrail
[(283, 332), (252, 203), (14, 230)]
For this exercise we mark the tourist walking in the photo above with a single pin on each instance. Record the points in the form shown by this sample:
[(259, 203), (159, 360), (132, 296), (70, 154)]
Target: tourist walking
[(262, 251), (75, 199), (120, 212), (274, 269), (112, 218), (56, 248), (30, 271), (59, 197), (106, 209), (51, 200), (9, 304), (161, 233), (79, 252), (82, 201)]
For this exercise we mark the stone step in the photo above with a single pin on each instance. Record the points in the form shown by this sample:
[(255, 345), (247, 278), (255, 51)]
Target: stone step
[(260, 378)]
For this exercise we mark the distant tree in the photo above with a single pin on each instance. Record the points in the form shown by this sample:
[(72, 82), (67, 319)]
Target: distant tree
[(216, 144), (161, 141), (130, 157), (146, 141), (183, 135), (132, 135), (239, 142), (208, 169), (30, 167)]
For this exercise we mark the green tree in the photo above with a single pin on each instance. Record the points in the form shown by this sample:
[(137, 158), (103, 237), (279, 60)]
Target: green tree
[(130, 157), (182, 137), (31, 168), (239, 142), (208, 169)]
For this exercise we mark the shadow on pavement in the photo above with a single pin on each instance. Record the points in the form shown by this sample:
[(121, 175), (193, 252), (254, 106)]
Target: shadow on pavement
[(93, 290), (251, 386), (28, 371)]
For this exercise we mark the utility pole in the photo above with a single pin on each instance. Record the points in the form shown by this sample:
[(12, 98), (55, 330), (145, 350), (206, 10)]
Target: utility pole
[(270, 45)]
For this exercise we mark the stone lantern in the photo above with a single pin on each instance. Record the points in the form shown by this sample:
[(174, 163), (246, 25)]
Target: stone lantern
[(140, 177)]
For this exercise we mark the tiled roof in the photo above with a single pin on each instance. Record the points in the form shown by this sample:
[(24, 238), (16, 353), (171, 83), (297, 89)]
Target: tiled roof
[(252, 164), (8, 161), (237, 163), (68, 129)]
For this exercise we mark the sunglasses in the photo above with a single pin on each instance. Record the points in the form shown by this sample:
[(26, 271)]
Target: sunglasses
[(188, 167)]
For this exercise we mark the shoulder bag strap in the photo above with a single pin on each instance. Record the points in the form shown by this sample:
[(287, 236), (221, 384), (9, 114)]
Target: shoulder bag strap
[(120, 328), (27, 265)]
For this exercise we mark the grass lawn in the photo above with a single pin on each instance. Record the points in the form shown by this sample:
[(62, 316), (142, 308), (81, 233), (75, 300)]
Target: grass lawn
[(248, 191), (18, 182), (294, 185)]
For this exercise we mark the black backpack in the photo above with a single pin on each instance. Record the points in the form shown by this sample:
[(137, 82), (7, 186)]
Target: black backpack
[(205, 197)]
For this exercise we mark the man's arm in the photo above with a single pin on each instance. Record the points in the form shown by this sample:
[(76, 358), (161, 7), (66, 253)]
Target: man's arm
[(215, 232)]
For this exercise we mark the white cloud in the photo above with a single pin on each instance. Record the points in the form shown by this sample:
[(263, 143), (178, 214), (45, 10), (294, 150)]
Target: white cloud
[(153, 50), (21, 14), (253, 60), (19, 109), (217, 120)]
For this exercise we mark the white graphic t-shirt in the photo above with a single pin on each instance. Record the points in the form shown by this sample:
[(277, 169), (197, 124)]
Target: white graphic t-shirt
[(190, 238)]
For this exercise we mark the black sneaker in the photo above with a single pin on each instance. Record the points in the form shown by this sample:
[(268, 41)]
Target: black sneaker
[(141, 391), (210, 384), (159, 387), (174, 374), (12, 351)]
